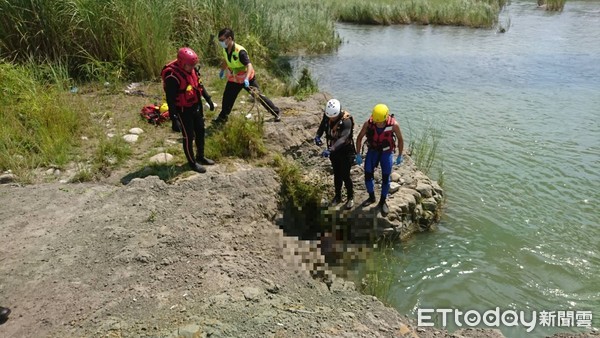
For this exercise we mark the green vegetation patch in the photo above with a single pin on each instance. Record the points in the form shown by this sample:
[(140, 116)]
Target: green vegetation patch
[(36, 127), (239, 137)]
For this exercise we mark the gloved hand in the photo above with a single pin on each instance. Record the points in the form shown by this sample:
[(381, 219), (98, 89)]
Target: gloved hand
[(359, 159), (398, 160), (222, 74), (326, 153), (211, 105), (246, 83), (318, 141)]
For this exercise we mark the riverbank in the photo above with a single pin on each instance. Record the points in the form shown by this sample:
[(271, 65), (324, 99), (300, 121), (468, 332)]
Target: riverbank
[(202, 255)]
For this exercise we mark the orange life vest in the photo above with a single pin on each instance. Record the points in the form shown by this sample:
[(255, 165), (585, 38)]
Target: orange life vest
[(189, 91)]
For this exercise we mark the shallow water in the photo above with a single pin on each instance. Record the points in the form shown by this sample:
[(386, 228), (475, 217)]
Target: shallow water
[(519, 114)]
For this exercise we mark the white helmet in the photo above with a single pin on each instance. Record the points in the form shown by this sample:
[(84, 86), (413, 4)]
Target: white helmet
[(333, 108)]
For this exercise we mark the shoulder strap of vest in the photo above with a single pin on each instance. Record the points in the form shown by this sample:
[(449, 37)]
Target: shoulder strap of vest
[(178, 72)]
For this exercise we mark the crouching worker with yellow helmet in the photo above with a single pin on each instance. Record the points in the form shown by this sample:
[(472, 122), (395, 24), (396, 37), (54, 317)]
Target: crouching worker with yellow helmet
[(383, 137), (337, 124)]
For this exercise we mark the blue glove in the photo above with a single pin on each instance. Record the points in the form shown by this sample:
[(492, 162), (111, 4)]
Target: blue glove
[(318, 141), (326, 153), (398, 160), (359, 159), (222, 74), (246, 83)]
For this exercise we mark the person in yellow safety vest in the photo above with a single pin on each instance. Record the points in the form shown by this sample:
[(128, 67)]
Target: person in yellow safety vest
[(383, 137), (240, 75)]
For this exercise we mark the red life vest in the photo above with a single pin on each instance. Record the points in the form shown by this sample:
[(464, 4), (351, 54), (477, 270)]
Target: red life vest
[(189, 91), (384, 141)]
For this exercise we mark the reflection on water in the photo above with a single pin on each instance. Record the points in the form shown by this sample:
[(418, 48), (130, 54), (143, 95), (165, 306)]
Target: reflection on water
[(520, 121)]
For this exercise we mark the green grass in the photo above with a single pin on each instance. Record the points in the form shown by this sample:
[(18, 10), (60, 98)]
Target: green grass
[(304, 87), (423, 148), (239, 137), (297, 189), (379, 275), (482, 13), (121, 39), (37, 128), (553, 5)]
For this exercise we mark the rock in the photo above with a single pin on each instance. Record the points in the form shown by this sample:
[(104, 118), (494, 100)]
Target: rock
[(49, 171), (394, 187), (436, 187), (136, 131), (395, 177), (130, 138), (430, 204), (161, 158), (189, 331), (251, 293), (7, 178), (425, 190)]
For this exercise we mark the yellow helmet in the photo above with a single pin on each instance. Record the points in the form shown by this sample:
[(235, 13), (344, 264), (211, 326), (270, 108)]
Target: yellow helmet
[(380, 113), (164, 107)]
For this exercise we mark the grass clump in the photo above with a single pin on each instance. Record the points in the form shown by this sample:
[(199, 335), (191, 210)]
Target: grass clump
[(423, 148), (108, 154), (552, 5), (36, 127), (297, 189), (305, 86), (441, 12), (239, 137), (379, 276)]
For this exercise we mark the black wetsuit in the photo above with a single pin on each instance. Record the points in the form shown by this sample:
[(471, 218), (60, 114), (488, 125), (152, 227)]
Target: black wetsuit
[(342, 153), (191, 119)]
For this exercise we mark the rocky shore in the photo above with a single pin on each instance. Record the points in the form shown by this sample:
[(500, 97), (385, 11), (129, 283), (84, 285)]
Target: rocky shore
[(208, 255)]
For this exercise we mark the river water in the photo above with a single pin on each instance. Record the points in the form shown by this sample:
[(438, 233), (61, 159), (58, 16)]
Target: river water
[(519, 116)]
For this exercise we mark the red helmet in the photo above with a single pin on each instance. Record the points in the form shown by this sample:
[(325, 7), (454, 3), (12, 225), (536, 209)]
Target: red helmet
[(186, 56)]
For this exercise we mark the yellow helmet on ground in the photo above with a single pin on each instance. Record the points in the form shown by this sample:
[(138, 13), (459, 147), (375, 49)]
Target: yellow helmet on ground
[(164, 107), (380, 113)]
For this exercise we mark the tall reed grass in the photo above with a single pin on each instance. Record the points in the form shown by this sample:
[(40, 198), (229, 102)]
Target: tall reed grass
[(122, 39), (482, 13), (423, 147)]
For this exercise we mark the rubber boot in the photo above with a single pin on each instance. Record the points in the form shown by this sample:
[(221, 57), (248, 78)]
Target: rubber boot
[(384, 207), (197, 168), (4, 312), (370, 200)]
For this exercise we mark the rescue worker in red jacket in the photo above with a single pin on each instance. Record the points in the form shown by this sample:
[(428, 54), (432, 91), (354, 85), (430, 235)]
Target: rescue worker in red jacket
[(383, 137), (183, 89), (338, 124), (240, 75)]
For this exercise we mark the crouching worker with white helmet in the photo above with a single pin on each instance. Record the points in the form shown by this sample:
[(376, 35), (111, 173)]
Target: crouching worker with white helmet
[(383, 137), (337, 124)]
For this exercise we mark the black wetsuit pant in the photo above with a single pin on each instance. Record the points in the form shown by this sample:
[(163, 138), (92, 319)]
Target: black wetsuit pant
[(192, 128), (231, 92), (341, 161)]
